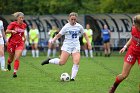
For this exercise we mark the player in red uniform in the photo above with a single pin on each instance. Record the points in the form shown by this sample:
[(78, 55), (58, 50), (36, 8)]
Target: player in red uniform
[(16, 41), (132, 54)]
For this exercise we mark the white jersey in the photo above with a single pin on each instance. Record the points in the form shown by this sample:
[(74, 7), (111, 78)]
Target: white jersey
[(72, 33), (1, 36), (1, 27), (71, 42)]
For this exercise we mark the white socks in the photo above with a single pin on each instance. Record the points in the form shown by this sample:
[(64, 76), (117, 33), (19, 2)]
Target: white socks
[(24, 52), (54, 61), (2, 61), (91, 53), (54, 52), (35, 53), (74, 68), (49, 52), (86, 52), (74, 71)]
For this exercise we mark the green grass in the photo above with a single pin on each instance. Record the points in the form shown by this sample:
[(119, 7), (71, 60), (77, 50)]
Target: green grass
[(94, 76)]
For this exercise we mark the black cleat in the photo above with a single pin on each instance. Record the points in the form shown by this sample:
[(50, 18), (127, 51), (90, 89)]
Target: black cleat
[(14, 75), (72, 80), (45, 62), (9, 67), (112, 89)]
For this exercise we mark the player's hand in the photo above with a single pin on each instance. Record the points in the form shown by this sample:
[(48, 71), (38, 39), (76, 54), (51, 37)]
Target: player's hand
[(13, 31), (122, 50), (51, 41)]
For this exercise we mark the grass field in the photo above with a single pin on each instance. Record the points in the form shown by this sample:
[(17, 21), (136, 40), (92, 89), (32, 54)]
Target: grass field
[(95, 76)]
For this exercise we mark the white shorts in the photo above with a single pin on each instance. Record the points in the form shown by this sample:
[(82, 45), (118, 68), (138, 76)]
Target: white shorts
[(71, 49), (1, 41)]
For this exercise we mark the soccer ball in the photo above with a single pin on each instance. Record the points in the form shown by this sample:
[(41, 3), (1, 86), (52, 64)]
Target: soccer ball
[(65, 77)]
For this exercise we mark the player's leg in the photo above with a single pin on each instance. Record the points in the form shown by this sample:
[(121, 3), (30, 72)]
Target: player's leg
[(76, 60), (90, 50), (49, 48), (86, 49), (139, 68), (33, 49), (63, 59), (105, 49), (24, 51), (2, 58), (108, 49), (125, 72), (36, 49), (54, 50), (17, 61)]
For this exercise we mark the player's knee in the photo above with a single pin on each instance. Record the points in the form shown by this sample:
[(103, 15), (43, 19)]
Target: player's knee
[(125, 76)]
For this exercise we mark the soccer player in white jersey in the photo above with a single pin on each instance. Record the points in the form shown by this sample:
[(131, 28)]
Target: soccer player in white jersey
[(2, 58), (71, 45)]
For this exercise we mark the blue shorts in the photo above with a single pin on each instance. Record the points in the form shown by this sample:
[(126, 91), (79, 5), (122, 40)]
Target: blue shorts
[(106, 41)]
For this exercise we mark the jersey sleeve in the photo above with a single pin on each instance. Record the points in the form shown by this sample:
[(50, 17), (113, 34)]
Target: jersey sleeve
[(1, 25), (11, 26), (37, 31), (63, 30), (91, 32)]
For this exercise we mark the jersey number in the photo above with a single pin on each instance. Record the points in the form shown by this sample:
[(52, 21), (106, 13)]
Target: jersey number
[(74, 35)]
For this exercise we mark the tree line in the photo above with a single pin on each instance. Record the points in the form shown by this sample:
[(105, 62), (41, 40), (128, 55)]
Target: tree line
[(43, 7)]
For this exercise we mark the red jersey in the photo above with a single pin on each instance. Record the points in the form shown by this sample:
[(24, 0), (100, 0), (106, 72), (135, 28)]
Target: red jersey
[(135, 43), (19, 28)]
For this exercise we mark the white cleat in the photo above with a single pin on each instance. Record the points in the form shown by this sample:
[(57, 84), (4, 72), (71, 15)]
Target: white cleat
[(4, 70)]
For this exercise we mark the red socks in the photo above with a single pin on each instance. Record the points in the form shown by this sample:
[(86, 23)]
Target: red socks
[(117, 80), (9, 61), (16, 64)]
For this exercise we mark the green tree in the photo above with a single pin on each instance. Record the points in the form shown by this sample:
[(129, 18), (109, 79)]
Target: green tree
[(41, 7)]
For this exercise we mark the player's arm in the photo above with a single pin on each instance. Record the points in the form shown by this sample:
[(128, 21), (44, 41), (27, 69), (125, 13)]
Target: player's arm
[(126, 45), (10, 31), (109, 33), (24, 37), (87, 39), (3, 35), (56, 37)]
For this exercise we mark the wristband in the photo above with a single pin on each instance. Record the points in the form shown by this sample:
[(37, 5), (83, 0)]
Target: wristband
[(125, 46)]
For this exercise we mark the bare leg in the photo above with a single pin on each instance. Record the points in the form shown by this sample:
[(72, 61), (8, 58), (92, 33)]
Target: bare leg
[(125, 72), (76, 60)]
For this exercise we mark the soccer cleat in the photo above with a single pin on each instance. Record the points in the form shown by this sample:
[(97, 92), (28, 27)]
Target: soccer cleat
[(112, 90), (4, 70), (72, 80), (9, 67), (14, 75), (45, 62)]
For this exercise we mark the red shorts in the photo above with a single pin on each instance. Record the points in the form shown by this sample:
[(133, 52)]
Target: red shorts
[(12, 47), (131, 57)]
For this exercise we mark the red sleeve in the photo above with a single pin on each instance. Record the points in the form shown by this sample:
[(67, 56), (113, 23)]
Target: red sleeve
[(11, 26)]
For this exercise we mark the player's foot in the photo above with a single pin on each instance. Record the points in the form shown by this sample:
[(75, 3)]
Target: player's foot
[(9, 67), (4, 70), (72, 80), (45, 62), (14, 75), (109, 54), (112, 89)]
